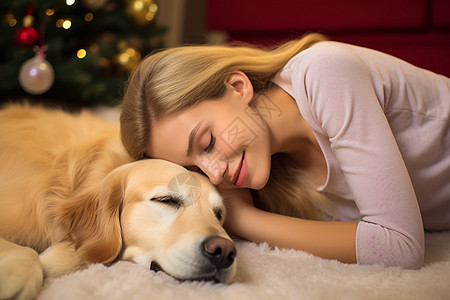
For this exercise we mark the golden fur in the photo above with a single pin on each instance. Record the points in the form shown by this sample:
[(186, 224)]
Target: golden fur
[(69, 190)]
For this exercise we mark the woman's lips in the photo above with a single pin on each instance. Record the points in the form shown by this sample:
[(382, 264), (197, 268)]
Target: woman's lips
[(239, 177)]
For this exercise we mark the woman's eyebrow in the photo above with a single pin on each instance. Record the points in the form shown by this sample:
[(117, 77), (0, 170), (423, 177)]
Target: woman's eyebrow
[(191, 138)]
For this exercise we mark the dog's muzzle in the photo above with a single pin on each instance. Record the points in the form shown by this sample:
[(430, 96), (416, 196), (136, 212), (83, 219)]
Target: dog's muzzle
[(219, 254)]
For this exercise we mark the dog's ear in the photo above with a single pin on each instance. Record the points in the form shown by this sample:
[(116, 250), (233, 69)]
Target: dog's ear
[(93, 220)]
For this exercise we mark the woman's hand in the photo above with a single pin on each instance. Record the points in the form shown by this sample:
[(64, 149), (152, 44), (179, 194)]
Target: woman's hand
[(335, 240), (238, 204)]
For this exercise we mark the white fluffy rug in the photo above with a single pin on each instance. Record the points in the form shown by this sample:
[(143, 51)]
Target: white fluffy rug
[(265, 273)]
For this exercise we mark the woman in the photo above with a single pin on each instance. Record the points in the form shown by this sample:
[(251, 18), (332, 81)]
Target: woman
[(320, 146)]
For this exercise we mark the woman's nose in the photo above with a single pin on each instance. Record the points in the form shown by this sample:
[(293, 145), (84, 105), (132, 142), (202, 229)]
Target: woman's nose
[(214, 169)]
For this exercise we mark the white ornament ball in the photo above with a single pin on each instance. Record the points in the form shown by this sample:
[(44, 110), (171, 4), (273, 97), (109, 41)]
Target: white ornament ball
[(36, 75)]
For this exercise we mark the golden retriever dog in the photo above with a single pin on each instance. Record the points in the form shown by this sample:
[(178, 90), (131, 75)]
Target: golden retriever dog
[(70, 196)]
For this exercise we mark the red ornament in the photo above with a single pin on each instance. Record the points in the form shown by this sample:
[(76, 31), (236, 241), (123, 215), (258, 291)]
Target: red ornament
[(26, 35)]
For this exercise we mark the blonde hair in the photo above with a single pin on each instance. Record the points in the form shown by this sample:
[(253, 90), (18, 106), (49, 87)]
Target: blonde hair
[(173, 80)]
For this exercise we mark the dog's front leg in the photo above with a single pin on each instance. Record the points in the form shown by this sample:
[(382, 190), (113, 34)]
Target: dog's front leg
[(21, 274), (61, 258)]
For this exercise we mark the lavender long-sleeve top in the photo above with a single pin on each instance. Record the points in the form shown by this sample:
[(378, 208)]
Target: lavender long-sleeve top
[(384, 128)]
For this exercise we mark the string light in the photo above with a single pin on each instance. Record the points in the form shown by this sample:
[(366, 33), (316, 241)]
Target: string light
[(81, 53), (130, 52), (88, 17), (12, 21), (49, 12), (126, 56), (66, 24), (149, 16), (138, 5), (152, 11), (70, 2), (153, 8)]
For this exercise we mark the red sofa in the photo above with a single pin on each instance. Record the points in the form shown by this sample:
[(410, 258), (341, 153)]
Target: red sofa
[(417, 31)]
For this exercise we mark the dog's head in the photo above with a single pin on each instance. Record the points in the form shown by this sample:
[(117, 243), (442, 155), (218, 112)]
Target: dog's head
[(170, 219)]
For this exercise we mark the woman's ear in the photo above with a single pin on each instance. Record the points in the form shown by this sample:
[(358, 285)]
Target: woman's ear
[(240, 83)]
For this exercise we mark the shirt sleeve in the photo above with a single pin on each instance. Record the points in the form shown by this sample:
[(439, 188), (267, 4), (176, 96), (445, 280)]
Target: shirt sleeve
[(342, 98)]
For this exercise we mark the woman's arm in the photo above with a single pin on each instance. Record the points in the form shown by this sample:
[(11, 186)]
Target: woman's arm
[(345, 96), (332, 240), (343, 100)]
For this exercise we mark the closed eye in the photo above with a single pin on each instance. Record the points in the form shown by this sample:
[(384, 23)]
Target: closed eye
[(212, 141), (169, 200), (218, 213)]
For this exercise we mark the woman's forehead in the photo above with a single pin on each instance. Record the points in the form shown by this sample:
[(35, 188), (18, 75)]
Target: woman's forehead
[(170, 137)]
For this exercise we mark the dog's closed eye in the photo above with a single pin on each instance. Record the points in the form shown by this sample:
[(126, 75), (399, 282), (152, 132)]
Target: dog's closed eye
[(169, 200), (218, 213)]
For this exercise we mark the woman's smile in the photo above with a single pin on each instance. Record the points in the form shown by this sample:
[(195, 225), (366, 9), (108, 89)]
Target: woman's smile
[(239, 175)]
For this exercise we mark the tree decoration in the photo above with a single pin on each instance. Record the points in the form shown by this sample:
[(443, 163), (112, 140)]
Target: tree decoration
[(26, 35), (93, 45), (36, 75)]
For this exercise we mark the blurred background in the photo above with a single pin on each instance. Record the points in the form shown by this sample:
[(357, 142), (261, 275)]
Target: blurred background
[(79, 53)]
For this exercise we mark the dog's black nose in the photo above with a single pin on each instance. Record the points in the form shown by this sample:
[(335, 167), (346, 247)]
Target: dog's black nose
[(220, 252)]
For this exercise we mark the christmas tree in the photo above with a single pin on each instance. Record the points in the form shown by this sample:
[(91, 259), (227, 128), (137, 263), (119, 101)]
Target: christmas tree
[(73, 52)]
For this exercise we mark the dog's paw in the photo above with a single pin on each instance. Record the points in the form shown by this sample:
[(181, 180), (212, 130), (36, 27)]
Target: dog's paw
[(21, 274)]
